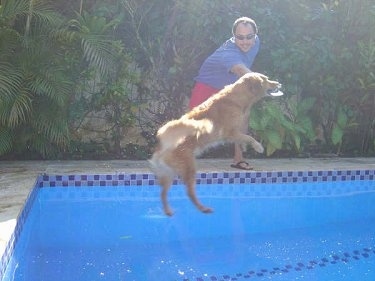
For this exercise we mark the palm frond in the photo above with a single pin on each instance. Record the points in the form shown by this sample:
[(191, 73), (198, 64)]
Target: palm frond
[(40, 11), (10, 80), (9, 10), (50, 122), (9, 41), (41, 145), (5, 140), (18, 108), (96, 51), (52, 129), (52, 85), (99, 48)]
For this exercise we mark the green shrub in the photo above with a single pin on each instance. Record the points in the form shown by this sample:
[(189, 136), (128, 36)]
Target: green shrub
[(137, 60)]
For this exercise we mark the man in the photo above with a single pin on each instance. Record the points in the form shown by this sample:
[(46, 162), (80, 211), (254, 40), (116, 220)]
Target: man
[(229, 62)]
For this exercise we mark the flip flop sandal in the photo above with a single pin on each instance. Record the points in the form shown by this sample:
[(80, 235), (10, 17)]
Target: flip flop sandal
[(242, 165)]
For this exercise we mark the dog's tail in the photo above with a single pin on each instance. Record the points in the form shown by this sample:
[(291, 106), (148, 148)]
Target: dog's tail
[(174, 133), (170, 136)]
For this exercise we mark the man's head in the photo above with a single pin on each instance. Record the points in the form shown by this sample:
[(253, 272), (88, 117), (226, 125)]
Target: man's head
[(244, 31)]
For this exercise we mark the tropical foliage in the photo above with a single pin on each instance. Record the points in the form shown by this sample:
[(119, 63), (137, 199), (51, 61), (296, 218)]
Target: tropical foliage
[(34, 88), (131, 63)]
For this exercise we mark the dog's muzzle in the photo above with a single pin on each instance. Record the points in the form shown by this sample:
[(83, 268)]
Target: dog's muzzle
[(275, 92)]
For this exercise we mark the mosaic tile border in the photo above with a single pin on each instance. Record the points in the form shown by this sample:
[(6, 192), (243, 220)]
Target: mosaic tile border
[(333, 259), (212, 178), (233, 191), (206, 178)]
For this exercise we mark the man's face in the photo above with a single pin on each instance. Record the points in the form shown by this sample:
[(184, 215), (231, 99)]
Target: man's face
[(244, 37)]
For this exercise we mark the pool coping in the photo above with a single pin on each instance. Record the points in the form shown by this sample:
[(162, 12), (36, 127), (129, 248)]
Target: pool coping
[(145, 178)]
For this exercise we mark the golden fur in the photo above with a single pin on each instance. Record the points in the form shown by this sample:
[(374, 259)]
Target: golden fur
[(219, 119)]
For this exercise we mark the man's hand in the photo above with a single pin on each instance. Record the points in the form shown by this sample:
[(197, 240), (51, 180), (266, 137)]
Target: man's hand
[(240, 69)]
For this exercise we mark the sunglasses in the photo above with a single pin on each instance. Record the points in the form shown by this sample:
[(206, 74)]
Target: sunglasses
[(243, 37)]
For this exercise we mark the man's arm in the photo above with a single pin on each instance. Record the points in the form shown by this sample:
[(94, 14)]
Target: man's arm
[(239, 69)]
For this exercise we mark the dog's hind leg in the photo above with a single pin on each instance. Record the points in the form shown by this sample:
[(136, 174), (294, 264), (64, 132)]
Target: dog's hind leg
[(165, 182)]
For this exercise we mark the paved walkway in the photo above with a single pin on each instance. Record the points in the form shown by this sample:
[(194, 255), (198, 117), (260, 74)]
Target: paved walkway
[(18, 177)]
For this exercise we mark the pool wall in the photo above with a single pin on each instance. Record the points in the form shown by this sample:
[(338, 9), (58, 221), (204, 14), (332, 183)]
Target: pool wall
[(137, 181)]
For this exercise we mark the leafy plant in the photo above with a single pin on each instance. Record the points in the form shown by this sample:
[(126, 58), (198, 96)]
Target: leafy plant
[(34, 90), (56, 71), (283, 126), (105, 85)]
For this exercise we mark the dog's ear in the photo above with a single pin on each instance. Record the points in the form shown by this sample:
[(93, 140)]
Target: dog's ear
[(254, 83)]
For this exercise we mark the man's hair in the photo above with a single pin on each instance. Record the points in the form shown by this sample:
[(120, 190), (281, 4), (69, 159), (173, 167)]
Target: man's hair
[(244, 20)]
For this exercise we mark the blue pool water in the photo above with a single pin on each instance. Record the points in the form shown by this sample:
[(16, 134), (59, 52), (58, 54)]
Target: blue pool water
[(287, 231)]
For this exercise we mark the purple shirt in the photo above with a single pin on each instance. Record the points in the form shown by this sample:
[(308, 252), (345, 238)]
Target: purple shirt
[(215, 70)]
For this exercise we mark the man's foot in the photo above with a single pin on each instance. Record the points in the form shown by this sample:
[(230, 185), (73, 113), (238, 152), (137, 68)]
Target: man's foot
[(242, 165)]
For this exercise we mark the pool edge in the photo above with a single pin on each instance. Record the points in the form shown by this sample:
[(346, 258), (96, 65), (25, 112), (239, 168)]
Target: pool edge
[(202, 178)]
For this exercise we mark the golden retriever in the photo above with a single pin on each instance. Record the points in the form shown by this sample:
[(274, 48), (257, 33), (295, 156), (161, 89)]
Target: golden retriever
[(219, 119)]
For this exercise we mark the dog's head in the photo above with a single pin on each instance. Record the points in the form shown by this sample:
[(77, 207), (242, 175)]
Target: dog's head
[(260, 85)]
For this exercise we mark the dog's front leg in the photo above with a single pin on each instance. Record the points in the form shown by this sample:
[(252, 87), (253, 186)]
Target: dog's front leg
[(186, 169), (190, 185), (241, 138), (194, 199)]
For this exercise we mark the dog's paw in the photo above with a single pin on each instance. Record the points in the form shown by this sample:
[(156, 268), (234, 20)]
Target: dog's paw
[(168, 212), (258, 147), (206, 210)]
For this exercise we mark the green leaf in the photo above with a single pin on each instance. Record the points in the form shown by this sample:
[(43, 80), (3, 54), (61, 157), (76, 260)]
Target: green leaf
[(337, 134), (342, 119), (305, 105), (297, 141), (255, 121), (270, 149), (274, 138)]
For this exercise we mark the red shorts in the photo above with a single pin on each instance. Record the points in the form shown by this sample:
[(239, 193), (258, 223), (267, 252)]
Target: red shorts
[(200, 93)]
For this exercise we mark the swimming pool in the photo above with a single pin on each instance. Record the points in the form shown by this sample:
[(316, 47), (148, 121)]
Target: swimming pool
[(266, 226)]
